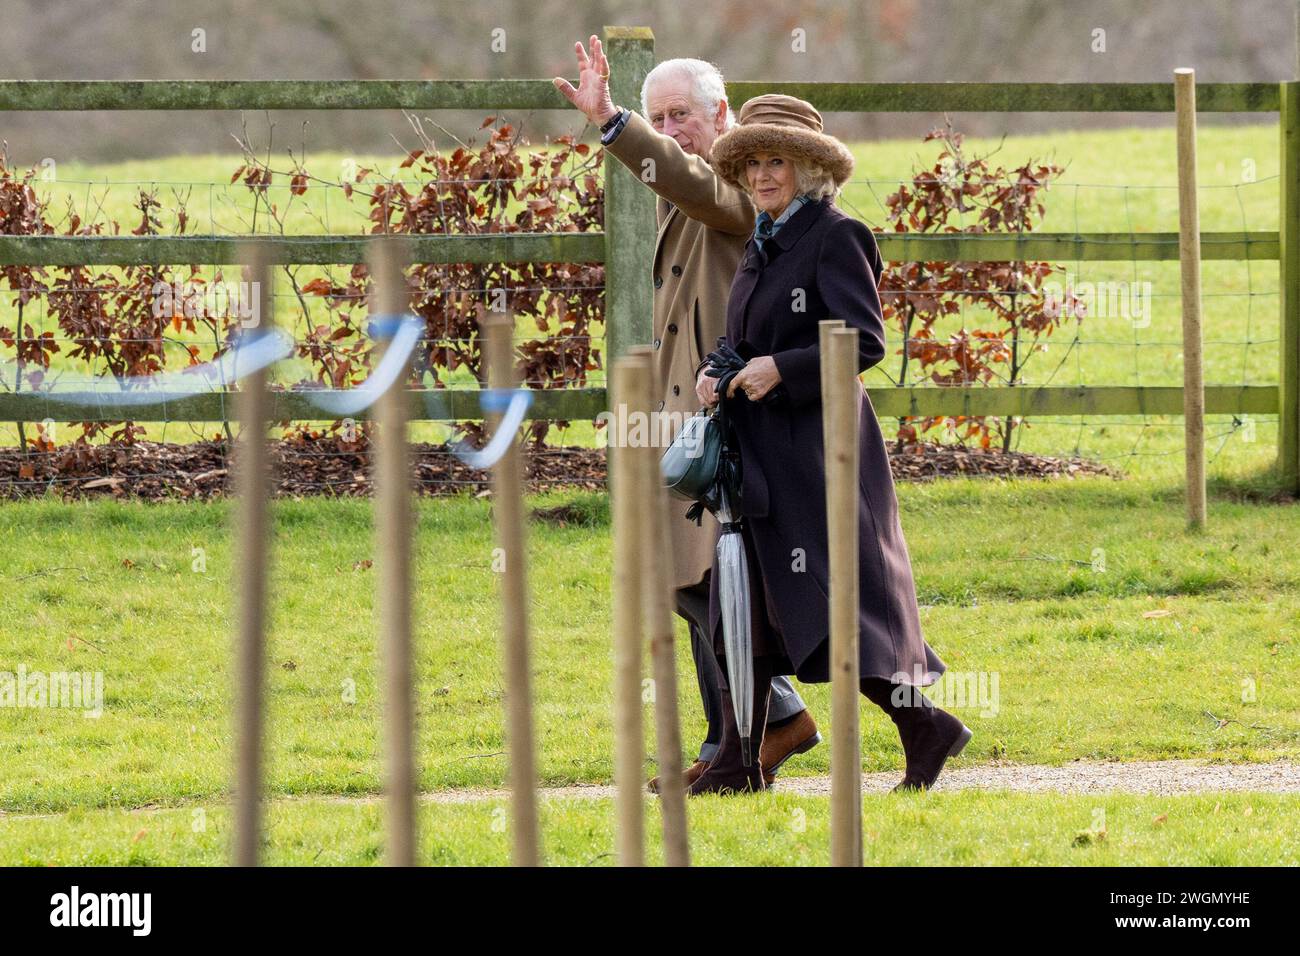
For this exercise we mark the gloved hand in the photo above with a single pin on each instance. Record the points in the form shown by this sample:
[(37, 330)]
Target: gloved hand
[(724, 363), (725, 357)]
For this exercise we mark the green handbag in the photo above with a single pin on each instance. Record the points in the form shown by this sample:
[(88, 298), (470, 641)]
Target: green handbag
[(689, 465), (700, 465)]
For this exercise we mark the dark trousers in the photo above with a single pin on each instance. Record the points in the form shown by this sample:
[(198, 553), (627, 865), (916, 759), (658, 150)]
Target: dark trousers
[(693, 607)]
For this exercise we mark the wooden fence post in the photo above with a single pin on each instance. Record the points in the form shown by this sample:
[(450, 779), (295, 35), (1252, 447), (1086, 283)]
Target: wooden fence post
[(1289, 286), (252, 484), (1189, 255), (840, 397), (658, 601), (631, 397), (393, 535), (508, 516), (824, 329), (629, 206)]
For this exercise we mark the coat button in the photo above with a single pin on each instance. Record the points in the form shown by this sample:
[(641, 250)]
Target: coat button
[(677, 389), (660, 408), (658, 343), (672, 328), (659, 281), (677, 270)]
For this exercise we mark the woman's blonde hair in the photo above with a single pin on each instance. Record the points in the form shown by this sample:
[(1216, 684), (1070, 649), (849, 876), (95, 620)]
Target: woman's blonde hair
[(814, 179)]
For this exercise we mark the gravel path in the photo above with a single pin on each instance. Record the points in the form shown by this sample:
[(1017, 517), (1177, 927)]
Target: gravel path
[(1080, 776)]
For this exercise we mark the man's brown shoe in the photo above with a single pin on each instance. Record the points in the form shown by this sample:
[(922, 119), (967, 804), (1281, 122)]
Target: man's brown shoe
[(689, 776), (796, 736)]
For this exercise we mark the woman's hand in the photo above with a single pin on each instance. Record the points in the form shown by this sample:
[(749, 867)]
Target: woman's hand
[(756, 379), (592, 95), (706, 389)]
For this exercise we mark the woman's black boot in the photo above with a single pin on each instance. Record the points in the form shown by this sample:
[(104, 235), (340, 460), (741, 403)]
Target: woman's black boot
[(929, 735), (728, 773)]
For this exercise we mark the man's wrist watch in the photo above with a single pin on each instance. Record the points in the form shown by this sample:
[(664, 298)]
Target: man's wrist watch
[(612, 127)]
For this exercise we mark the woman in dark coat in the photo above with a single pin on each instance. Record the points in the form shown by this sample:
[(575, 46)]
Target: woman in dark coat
[(807, 262)]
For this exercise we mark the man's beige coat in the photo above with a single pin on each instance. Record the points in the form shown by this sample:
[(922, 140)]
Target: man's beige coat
[(704, 223)]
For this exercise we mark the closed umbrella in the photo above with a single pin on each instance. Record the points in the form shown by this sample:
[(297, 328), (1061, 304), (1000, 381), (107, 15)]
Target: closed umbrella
[(733, 593), (733, 567)]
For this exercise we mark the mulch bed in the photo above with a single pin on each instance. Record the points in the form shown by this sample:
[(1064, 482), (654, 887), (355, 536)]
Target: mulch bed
[(329, 467), (928, 461)]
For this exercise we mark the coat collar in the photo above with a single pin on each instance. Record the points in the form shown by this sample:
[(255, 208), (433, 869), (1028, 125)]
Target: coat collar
[(765, 226), (787, 235), (798, 224)]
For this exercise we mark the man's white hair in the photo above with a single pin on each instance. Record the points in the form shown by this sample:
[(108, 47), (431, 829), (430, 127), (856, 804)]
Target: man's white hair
[(707, 87)]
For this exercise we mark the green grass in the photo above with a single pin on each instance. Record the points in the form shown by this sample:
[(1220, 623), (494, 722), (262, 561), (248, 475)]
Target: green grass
[(967, 828), (1121, 178), (1116, 180), (1080, 671)]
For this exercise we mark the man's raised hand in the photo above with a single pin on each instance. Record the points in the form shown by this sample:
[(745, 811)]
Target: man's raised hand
[(592, 95)]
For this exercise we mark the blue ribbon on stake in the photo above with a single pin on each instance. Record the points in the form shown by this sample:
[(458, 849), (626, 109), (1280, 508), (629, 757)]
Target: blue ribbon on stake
[(511, 404), (258, 349), (402, 332), (251, 352)]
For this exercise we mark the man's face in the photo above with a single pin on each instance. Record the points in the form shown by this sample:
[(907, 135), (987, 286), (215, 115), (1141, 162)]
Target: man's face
[(673, 113)]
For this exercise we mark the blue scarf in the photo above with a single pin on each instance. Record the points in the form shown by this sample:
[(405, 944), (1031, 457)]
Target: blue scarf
[(765, 226)]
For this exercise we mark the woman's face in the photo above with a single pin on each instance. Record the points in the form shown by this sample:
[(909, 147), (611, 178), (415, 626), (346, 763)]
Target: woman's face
[(771, 181)]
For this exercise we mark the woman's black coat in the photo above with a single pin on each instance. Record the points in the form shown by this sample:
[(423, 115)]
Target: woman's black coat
[(821, 264)]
